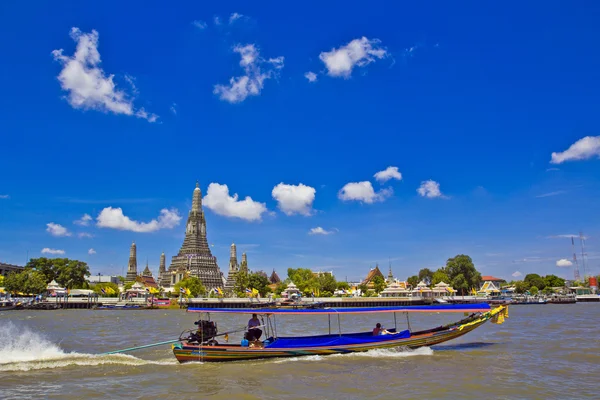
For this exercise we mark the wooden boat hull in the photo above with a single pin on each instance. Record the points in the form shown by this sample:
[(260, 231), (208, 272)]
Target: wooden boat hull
[(185, 352)]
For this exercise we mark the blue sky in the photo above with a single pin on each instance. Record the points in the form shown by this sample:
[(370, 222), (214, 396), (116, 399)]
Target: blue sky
[(125, 105)]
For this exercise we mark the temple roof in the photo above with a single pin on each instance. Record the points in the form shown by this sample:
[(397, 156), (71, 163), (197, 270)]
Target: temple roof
[(372, 274), (148, 281), (274, 278), (147, 271)]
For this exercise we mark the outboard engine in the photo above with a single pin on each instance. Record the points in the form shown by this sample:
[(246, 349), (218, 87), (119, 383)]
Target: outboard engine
[(206, 331)]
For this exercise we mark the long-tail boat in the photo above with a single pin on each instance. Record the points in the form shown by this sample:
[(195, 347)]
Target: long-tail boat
[(202, 344)]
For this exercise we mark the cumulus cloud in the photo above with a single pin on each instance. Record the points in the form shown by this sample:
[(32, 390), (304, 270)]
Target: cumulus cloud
[(91, 251), (387, 174), (200, 24), (87, 84), (294, 199), (115, 219), (430, 189), (46, 250), (358, 53), (516, 274), (4, 196), (311, 76), (583, 149), (564, 263), (57, 230), (363, 191), (84, 220), (320, 231), (256, 71), (220, 202)]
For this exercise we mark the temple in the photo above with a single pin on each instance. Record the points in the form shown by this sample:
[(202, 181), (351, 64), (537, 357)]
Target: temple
[(233, 269), (147, 279), (194, 257), (162, 271), (132, 266)]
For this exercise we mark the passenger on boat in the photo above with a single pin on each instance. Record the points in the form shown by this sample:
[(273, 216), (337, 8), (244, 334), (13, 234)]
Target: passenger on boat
[(379, 330), (254, 333)]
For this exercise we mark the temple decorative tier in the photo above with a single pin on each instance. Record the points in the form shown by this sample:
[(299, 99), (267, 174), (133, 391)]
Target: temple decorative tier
[(132, 266), (194, 257), (233, 269)]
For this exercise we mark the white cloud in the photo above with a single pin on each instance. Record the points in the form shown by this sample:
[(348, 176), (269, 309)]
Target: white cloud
[(311, 76), (551, 194), (320, 231), (82, 235), (517, 274), (430, 189), (252, 82), (91, 251), (363, 191), (46, 250), (564, 263), (200, 24), (294, 199), (234, 17), (84, 221), (115, 219), (552, 169), (220, 202), (582, 149), (359, 53), (387, 174), (174, 108), (86, 83), (57, 230), (4, 196), (217, 21)]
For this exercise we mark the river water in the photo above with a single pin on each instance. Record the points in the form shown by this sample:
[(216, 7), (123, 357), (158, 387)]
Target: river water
[(541, 351)]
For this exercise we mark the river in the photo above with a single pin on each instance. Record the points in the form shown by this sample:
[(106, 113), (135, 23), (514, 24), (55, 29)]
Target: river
[(541, 351)]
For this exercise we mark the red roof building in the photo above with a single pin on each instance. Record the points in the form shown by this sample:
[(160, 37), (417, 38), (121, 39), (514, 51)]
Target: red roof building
[(490, 278)]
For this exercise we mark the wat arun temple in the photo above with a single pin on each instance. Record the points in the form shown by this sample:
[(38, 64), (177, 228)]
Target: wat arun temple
[(194, 258)]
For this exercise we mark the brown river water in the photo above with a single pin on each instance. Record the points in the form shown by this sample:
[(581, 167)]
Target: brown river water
[(540, 352)]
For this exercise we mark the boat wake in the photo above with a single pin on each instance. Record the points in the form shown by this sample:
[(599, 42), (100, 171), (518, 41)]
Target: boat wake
[(24, 350), (376, 353)]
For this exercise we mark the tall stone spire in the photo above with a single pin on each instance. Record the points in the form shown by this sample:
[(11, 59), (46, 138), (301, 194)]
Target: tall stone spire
[(195, 258), (244, 264), (390, 278), (161, 267), (233, 268), (132, 266), (233, 264)]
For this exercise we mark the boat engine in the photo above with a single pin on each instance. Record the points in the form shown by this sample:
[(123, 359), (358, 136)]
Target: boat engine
[(206, 331)]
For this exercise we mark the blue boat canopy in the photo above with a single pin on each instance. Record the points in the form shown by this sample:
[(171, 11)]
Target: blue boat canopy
[(479, 307)]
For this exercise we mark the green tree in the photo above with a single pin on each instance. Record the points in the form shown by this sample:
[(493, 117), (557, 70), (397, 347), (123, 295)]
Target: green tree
[(462, 265), (548, 290), (553, 281), (521, 287), (460, 284), (343, 286), (15, 282), (193, 284), (327, 284), (242, 281), (121, 279), (378, 284), (259, 281), (534, 280), (534, 290), (363, 289), (439, 276), (413, 281), (27, 281), (68, 273), (304, 279), (426, 275), (281, 287), (110, 289)]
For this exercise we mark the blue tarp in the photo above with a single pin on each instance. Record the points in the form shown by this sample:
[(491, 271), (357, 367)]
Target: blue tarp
[(335, 340), (348, 310)]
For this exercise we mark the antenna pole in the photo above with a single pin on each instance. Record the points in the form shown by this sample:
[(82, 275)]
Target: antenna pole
[(582, 239), (576, 268)]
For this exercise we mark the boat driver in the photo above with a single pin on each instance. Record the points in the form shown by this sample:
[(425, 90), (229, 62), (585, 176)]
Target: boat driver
[(254, 333), (379, 330)]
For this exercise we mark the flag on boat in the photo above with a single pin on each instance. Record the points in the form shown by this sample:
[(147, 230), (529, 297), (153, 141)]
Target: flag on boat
[(103, 291), (248, 290), (181, 290), (219, 291), (254, 292), (187, 292)]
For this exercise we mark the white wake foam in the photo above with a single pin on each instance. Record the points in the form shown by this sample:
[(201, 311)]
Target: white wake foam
[(25, 350), (376, 353)]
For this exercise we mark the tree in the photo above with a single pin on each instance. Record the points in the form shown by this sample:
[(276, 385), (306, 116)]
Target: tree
[(363, 289), (343, 286), (121, 279), (462, 265), (460, 283), (110, 289), (259, 281), (241, 282), (327, 284), (27, 282), (191, 283), (439, 276), (378, 284), (426, 275), (534, 291), (281, 286), (68, 273), (534, 280), (304, 279), (15, 282), (521, 287), (127, 286), (413, 281), (553, 281), (548, 290)]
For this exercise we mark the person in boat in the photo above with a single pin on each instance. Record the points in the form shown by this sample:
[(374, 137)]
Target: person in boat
[(379, 330), (254, 332)]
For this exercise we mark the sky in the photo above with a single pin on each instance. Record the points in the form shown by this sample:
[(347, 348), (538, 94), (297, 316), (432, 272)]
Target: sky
[(323, 136)]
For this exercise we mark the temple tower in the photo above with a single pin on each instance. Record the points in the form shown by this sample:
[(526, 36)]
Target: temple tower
[(244, 262), (132, 266), (147, 271), (233, 268), (194, 257)]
